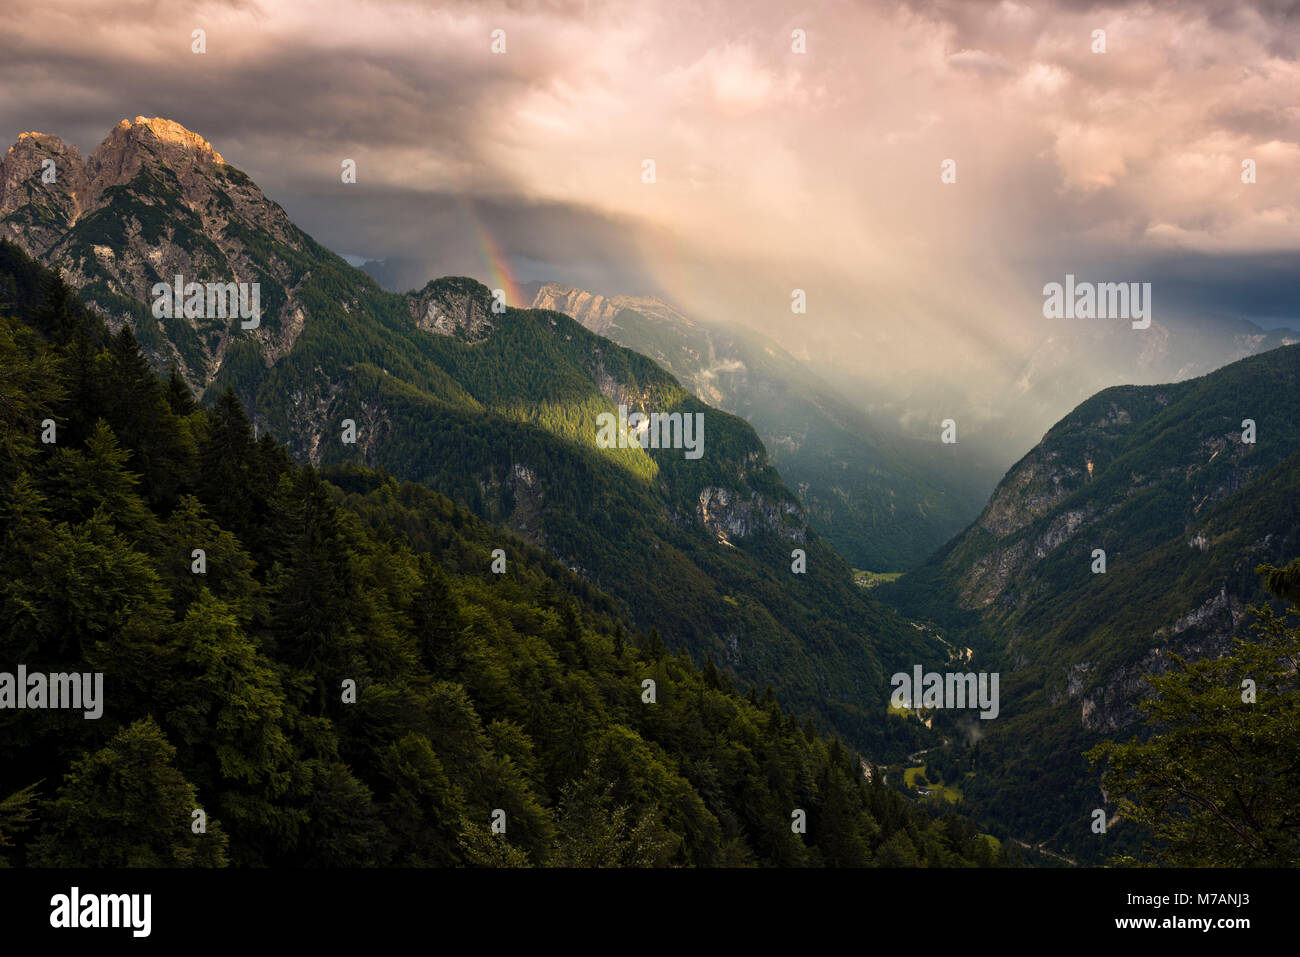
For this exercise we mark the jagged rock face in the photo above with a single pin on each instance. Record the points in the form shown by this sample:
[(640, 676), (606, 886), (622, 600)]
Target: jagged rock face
[(730, 517), (615, 389), (152, 144), (453, 307), (35, 213), (591, 309), (156, 201), (1036, 489), (597, 312), (990, 574), (307, 419), (1111, 703), (1030, 491)]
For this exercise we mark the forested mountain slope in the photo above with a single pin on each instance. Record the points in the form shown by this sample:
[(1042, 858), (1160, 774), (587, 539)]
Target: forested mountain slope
[(1186, 488), (325, 665), (495, 409), (884, 500)]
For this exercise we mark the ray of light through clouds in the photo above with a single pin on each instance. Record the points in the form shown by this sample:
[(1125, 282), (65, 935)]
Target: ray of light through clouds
[(775, 170)]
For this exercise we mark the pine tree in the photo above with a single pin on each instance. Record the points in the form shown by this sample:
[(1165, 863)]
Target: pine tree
[(126, 805), (233, 707), (318, 603), (654, 646), (179, 398), (437, 621), (711, 677), (228, 463), (425, 810)]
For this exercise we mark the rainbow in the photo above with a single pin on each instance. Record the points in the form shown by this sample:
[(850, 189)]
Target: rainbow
[(498, 268)]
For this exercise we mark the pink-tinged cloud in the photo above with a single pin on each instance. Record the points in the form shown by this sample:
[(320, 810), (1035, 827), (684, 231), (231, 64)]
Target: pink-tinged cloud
[(775, 169)]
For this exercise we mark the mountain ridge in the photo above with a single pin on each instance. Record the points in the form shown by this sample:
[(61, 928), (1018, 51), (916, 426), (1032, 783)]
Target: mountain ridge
[(338, 683), (884, 499), (1186, 488), (495, 407)]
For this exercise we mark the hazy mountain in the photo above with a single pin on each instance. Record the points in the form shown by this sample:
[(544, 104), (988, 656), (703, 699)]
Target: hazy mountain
[(883, 498), (1005, 416)]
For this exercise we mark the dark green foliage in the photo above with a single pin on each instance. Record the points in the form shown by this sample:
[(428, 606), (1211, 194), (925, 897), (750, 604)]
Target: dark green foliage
[(1216, 782), (230, 691), (127, 805), (505, 427)]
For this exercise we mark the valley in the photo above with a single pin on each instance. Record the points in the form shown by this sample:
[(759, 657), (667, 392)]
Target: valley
[(731, 538)]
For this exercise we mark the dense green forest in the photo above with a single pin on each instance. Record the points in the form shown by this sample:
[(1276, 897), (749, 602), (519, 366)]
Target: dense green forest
[(518, 697), (504, 426)]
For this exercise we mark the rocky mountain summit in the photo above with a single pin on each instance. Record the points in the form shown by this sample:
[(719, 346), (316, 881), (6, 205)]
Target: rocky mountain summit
[(598, 312), (153, 202), (77, 186), (453, 307), (43, 188)]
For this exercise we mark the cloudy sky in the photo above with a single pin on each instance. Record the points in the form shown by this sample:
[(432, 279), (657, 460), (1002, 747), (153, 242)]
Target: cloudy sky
[(774, 169)]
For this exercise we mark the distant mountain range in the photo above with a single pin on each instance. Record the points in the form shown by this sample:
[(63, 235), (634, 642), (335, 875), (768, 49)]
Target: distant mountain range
[(1003, 417)]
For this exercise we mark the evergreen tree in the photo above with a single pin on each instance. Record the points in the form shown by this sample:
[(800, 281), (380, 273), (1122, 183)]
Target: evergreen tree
[(179, 398), (126, 805), (1216, 782)]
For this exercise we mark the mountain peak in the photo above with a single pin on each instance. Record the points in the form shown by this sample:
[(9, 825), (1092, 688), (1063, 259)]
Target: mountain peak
[(598, 313), (41, 138), (453, 306), (46, 186), (150, 143), (32, 144), (155, 201), (164, 131), (593, 310), (43, 180)]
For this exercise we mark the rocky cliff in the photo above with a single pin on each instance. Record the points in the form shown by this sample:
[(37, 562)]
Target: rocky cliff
[(153, 202)]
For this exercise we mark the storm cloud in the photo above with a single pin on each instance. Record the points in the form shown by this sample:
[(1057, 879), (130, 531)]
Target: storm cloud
[(775, 169)]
